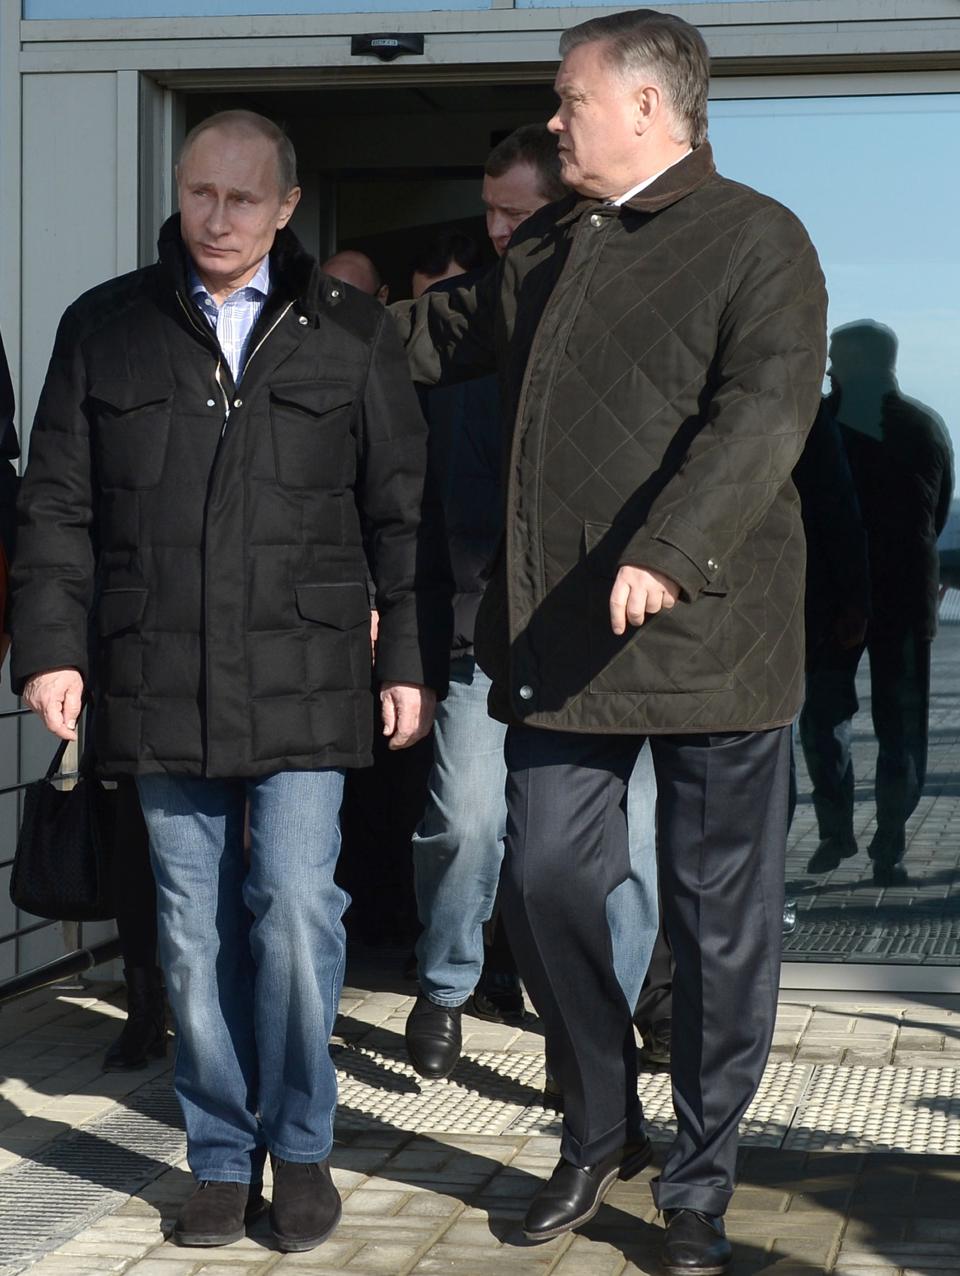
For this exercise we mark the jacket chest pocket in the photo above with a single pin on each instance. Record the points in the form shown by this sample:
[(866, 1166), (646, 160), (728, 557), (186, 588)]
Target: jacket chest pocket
[(310, 424), (130, 431)]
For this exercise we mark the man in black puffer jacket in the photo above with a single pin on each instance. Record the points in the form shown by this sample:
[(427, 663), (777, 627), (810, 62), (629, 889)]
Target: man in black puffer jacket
[(218, 438)]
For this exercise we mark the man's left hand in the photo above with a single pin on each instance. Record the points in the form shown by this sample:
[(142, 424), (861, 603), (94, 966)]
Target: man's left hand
[(408, 711), (639, 592)]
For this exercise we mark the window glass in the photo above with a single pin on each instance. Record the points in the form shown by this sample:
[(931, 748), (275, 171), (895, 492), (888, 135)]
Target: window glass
[(230, 8), (872, 862)]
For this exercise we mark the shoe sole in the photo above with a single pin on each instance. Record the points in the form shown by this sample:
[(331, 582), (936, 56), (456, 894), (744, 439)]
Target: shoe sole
[(207, 1240), (300, 1244), (632, 1166), (716, 1270)]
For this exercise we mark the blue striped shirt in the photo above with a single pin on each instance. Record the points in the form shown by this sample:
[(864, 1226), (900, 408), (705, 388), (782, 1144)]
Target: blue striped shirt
[(235, 319)]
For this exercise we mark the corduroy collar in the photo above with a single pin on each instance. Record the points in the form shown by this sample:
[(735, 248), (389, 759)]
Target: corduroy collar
[(679, 180)]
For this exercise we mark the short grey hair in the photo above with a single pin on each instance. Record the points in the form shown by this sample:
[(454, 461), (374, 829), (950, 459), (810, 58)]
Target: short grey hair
[(250, 122), (659, 44)]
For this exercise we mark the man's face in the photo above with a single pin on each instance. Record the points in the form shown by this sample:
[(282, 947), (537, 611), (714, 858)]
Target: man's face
[(510, 199), (595, 124), (230, 206)]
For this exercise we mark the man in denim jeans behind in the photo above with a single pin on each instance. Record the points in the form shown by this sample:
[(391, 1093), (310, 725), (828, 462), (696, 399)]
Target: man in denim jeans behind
[(458, 847)]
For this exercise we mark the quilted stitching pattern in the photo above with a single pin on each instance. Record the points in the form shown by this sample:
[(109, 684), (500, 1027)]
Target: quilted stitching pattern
[(672, 378)]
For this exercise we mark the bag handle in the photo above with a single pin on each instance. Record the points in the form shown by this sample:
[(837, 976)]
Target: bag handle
[(57, 760), (85, 762)]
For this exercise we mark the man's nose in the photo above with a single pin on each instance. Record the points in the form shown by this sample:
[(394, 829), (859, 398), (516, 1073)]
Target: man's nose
[(554, 124), (218, 221), (498, 226)]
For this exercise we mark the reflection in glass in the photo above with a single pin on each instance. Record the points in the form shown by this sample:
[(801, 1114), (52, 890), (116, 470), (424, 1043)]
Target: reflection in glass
[(873, 859)]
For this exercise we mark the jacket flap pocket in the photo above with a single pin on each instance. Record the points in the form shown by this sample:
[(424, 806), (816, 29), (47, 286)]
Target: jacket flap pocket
[(120, 609), (341, 606), (318, 397), (124, 393)]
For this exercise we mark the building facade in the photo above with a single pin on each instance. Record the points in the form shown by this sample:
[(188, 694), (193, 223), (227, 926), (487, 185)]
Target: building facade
[(846, 110)]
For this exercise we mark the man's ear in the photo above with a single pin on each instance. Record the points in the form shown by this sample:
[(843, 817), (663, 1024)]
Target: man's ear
[(383, 294), (289, 204), (649, 101)]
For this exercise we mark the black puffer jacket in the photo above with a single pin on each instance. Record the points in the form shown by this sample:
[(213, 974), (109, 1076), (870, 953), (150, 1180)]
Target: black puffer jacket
[(661, 365), (225, 526)]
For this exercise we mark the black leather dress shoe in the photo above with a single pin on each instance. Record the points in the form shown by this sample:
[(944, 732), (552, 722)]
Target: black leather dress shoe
[(305, 1207), (695, 1245), (889, 874), (433, 1038), (218, 1213), (573, 1193), (830, 852)]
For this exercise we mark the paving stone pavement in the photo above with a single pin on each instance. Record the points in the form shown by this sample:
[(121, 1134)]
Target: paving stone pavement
[(849, 1161)]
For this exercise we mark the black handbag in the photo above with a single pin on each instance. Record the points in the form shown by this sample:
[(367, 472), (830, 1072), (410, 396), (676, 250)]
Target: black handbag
[(63, 866)]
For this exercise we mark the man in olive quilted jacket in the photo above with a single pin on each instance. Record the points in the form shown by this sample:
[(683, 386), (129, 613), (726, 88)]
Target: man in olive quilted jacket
[(660, 338)]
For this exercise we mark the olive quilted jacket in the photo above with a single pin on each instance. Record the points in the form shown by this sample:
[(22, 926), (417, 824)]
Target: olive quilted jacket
[(661, 364)]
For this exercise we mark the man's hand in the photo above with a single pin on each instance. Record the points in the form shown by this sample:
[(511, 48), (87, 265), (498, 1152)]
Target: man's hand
[(639, 592), (374, 632), (407, 712), (56, 696)]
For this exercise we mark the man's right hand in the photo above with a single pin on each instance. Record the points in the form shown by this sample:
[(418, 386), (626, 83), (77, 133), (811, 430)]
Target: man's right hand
[(56, 696)]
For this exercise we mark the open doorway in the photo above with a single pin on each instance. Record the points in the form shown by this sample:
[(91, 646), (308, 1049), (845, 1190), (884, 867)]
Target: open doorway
[(386, 170)]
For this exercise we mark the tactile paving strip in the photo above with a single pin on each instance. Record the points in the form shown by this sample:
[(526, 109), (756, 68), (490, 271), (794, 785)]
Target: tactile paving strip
[(499, 1093), (859, 1109)]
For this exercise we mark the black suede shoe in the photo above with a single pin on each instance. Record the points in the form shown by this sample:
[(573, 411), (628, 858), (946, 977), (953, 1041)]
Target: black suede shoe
[(830, 852), (218, 1213), (144, 1035), (573, 1193), (305, 1207), (433, 1038), (695, 1244)]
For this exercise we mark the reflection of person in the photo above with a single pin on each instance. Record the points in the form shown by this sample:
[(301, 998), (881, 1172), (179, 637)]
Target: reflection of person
[(176, 463), (458, 848), (660, 337), (9, 451), (899, 455), (357, 269)]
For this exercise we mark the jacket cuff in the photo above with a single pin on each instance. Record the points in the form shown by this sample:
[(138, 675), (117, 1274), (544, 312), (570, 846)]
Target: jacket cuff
[(678, 550), (40, 658)]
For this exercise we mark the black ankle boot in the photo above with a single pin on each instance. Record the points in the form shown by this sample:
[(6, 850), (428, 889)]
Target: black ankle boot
[(144, 1035)]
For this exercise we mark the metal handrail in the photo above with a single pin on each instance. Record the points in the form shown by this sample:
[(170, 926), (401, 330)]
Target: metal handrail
[(70, 964)]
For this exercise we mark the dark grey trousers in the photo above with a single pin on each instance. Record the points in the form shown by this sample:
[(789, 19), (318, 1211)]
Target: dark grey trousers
[(722, 821)]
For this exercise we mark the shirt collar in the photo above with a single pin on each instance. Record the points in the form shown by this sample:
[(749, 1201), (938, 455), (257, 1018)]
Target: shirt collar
[(648, 181), (260, 282)]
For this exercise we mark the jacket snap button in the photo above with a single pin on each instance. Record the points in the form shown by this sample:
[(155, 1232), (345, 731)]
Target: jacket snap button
[(713, 565), (526, 692), (303, 319), (596, 220), (334, 292), (238, 403), (211, 403)]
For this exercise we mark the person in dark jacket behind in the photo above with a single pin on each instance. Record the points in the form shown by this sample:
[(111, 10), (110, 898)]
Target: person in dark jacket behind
[(900, 457), (660, 337), (9, 451), (458, 848), (218, 437)]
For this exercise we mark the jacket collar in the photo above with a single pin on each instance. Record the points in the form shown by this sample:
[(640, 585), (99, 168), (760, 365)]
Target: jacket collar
[(680, 180), (294, 274)]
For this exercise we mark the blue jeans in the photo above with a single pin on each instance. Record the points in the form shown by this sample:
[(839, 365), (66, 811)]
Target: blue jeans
[(253, 958), (458, 849)]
